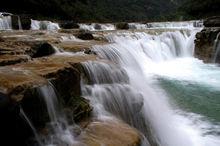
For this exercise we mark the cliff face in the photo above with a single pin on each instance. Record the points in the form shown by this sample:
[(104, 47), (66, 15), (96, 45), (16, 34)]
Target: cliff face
[(205, 40)]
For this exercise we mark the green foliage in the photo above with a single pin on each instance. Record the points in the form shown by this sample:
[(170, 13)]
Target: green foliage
[(114, 10)]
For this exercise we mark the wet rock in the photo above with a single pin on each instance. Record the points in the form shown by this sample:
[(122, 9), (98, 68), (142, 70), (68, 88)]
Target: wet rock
[(85, 35), (204, 44), (122, 25), (110, 133), (79, 108), (41, 49), (69, 25), (212, 21)]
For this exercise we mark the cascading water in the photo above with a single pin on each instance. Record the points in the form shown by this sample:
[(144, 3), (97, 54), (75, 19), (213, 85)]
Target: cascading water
[(5, 23), (44, 25), (135, 88), (97, 27), (61, 131), (216, 47)]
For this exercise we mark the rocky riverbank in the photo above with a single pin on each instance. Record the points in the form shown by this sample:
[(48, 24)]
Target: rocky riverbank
[(30, 60), (205, 41)]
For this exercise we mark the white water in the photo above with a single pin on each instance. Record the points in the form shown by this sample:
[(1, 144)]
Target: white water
[(97, 27), (143, 58), (167, 25), (5, 23), (61, 131), (44, 25)]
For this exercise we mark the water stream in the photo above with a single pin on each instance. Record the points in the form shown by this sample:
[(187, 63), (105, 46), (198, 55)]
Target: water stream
[(153, 82)]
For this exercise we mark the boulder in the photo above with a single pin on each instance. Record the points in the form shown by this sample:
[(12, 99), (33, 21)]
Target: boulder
[(122, 25), (110, 133), (41, 49), (212, 21)]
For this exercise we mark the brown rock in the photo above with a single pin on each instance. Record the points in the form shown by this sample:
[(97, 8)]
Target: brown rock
[(110, 133), (12, 59)]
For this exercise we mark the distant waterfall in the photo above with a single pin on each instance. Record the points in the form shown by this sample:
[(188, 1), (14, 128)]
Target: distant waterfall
[(97, 27), (44, 25), (5, 23), (167, 25)]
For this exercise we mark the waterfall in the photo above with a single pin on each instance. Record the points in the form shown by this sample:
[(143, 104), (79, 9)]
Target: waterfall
[(216, 48), (126, 86), (19, 23), (44, 25), (61, 131), (97, 27), (5, 23)]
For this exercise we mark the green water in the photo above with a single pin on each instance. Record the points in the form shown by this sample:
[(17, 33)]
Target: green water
[(193, 97)]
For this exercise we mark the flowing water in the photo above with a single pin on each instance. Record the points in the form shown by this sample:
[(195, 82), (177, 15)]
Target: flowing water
[(97, 27), (154, 83), (5, 23), (44, 25), (61, 133)]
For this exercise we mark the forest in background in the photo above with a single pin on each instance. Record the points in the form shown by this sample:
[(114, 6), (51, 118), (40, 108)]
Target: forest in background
[(113, 10)]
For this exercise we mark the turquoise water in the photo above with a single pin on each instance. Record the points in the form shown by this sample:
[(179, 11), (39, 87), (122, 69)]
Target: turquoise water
[(194, 97)]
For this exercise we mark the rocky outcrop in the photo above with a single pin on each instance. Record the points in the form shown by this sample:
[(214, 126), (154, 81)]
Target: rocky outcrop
[(205, 40)]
